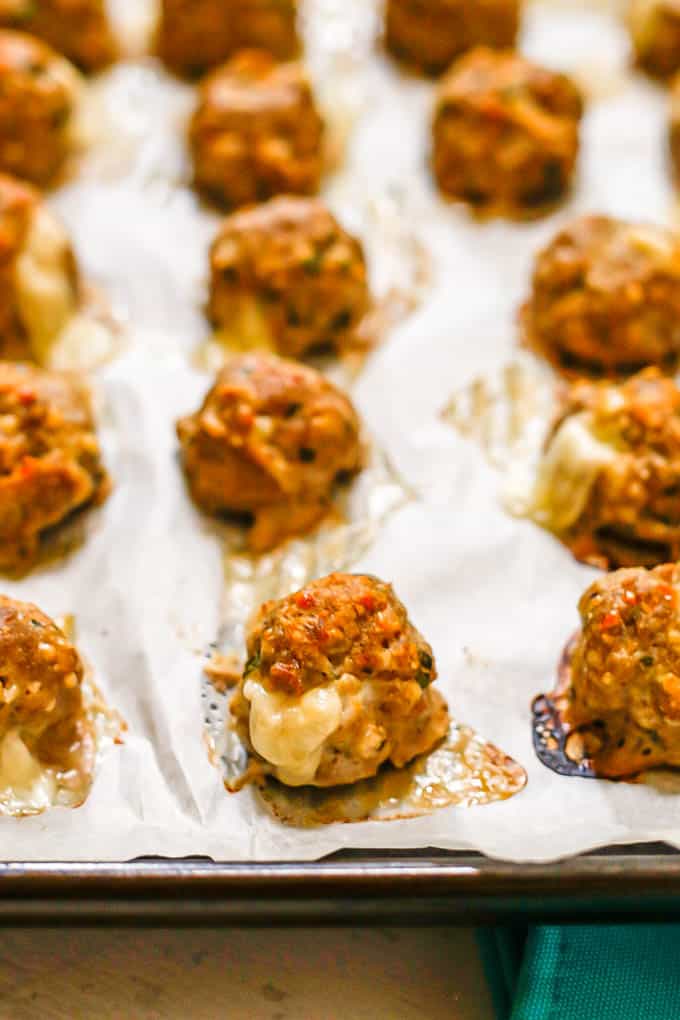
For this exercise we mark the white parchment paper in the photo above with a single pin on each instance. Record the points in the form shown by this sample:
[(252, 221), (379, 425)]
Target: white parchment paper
[(495, 596)]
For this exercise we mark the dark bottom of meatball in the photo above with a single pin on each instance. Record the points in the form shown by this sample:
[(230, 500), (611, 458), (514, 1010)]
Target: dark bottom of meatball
[(622, 549), (461, 769), (52, 544), (524, 206), (573, 366), (593, 751)]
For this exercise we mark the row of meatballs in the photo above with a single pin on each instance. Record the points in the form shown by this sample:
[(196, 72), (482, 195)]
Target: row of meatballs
[(194, 36), (504, 133), (274, 435)]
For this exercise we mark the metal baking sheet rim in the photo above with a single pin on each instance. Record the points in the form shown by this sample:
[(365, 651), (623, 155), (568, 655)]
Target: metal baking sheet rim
[(633, 883)]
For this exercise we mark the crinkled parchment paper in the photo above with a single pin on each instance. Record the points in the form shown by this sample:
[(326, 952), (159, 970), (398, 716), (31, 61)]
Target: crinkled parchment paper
[(494, 595)]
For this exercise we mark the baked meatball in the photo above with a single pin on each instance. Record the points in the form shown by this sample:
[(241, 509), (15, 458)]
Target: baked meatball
[(429, 34), (38, 98), (505, 133), (609, 481), (50, 462), (270, 441), (80, 29), (623, 676), (338, 681), (195, 35), (655, 33), (256, 132), (39, 285), (41, 700), (606, 297), (284, 274)]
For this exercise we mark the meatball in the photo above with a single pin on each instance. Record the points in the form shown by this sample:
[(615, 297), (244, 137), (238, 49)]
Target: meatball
[(655, 33), (41, 700), (505, 133), (50, 463), (609, 481), (39, 283), (429, 34), (271, 440), (606, 297), (256, 132), (195, 35), (623, 687), (38, 98), (80, 29), (286, 274), (337, 683)]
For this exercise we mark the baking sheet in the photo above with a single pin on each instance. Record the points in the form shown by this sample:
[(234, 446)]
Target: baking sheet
[(494, 595)]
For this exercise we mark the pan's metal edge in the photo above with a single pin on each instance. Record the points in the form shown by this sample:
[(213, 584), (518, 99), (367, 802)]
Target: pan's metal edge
[(624, 883)]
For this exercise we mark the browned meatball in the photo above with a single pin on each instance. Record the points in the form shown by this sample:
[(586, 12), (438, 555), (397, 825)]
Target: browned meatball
[(41, 699), (609, 481), (505, 133), (38, 98), (655, 33), (195, 35), (606, 297), (50, 463), (623, 689), (271, 440), (337, 683), (80, 29), (286, 275), (39, 285), (256, 132), (429, 34)]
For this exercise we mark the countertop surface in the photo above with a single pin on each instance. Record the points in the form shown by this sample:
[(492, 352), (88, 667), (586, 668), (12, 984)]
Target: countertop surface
[(256, 974)]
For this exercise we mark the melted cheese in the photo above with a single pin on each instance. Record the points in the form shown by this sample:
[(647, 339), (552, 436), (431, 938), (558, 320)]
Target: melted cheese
[(25, 785), (44, 287), (290, 731), (567, 473)]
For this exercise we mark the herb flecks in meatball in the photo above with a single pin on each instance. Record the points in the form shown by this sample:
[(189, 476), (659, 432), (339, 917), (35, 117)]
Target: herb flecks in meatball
[(39, 283), (271, 440), (338, 681), (606, 297), (624, 690), (609, 481), (38, 98), (429, 34), (50, 463), (505, 134), (41, 702), (256, 132), (80, 29), (287, 274), (655, 34), (196, 35)]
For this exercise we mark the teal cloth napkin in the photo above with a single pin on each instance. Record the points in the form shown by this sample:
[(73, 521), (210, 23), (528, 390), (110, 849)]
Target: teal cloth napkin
[(585, 972)]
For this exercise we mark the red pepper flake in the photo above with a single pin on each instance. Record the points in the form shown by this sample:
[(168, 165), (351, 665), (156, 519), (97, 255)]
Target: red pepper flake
[(305, 600), (610, 620), (630, 598), (666, 592), (369, 602), (27, 467), (26, 396), (283, 675)]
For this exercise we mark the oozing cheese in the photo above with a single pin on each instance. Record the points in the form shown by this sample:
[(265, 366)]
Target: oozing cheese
[(290, 731), (45, 292), (568, 472), (25, 785)]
